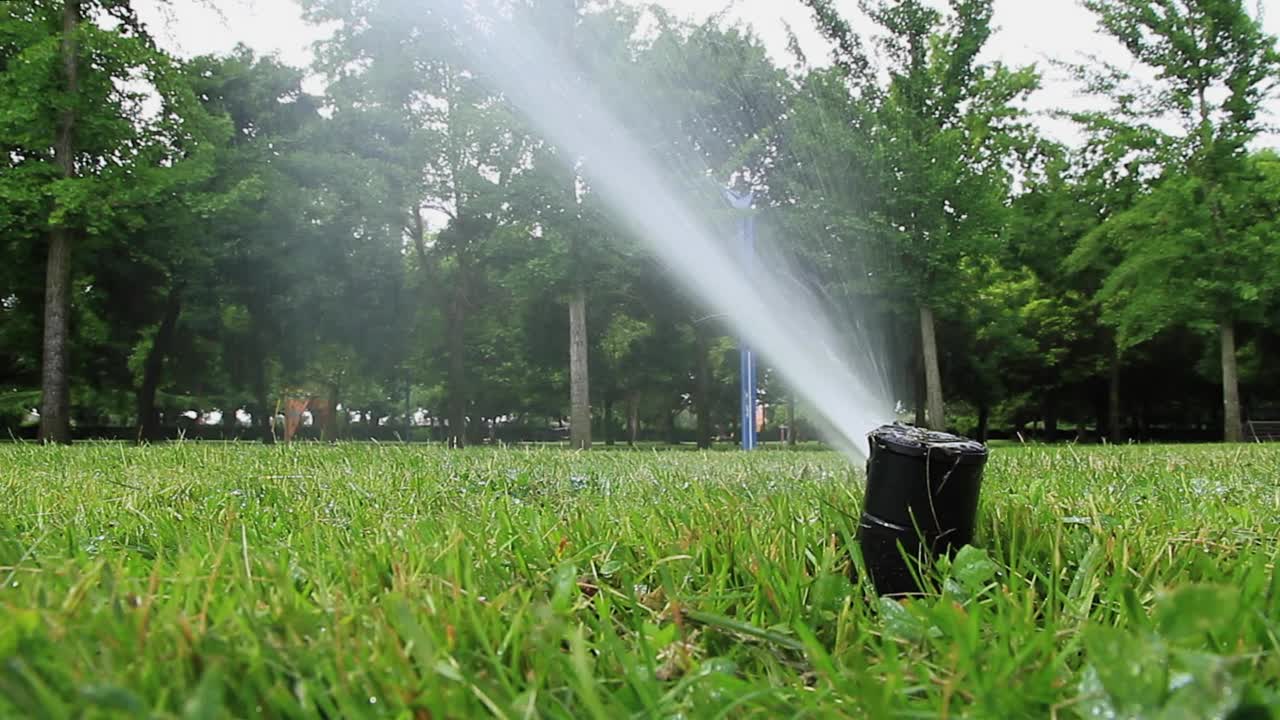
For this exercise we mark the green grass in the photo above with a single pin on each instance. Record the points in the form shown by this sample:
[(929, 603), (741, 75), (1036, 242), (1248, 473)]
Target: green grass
[(209, 581)]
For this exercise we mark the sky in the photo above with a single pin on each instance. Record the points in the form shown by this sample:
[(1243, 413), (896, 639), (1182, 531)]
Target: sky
[(1029, 32)]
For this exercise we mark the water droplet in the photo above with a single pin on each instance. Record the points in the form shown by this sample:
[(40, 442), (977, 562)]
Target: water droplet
[(373, 700)]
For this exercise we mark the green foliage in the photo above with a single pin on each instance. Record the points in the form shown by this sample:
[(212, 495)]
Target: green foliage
[(1179, 663), (941, 135), (1189, 244), (1176, 269), (132, 155), (360, 241)]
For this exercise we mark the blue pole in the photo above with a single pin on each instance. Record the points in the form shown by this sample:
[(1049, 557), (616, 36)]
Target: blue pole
[(747, 360), (747, 363)]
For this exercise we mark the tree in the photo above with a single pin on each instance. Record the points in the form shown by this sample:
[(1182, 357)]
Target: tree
[(566, 21), (458, 149), (263, 228), (49, 24), (407, 238), (55, 424), (1118, 162), (597, 43), (86, 155), (1189, 252), (940, 134), (1044, 343)]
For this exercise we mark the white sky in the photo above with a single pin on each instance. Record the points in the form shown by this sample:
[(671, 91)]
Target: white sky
[(1029, 31)]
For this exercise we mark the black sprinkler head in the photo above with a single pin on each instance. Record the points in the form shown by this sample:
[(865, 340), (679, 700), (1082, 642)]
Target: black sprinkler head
[(921, 502)]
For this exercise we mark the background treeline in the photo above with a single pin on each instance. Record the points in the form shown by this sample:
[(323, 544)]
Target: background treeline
[(190, 235)]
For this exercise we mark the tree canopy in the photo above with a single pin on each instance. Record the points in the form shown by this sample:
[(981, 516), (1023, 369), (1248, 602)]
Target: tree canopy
[(195, 246)]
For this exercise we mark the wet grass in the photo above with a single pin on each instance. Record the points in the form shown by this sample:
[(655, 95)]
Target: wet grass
[(209, 581)]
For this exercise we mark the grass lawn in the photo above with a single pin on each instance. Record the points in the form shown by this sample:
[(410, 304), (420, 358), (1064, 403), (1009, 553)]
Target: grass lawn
[(210, 581)]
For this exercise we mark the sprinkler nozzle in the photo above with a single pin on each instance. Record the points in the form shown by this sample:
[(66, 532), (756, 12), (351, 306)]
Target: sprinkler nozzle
[(921, 502)]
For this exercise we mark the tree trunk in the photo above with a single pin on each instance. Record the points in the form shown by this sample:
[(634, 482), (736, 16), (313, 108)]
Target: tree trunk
[(55, 403), (984, 421), (1232, 429), (1049, 415), (633, 417), (419, 235), (702, 385), (408, 416), (935, 414), (917, 370), (230, 423), (153, 368), (266, 416), (324, 413), (55, 381), (667, 423), (609, 440), (1144, 416), (793, 430), (1114, 419), (579, 379), (457, 369)]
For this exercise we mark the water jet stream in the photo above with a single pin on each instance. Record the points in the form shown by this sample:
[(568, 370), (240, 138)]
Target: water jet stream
[(790, 331)]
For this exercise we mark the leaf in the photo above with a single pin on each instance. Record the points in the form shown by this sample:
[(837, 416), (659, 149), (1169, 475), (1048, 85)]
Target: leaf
[(900, 623), (1203, 690), (1126, 674), (828, 592), (1195, 614), (584, 671), (206, 704), (406, 625), (113, 697), (564, 587), (22, 686), (1130, 677), (737, 626), (973, 568), (19, 625), (447, 669), (718, 666), (1084, 586)]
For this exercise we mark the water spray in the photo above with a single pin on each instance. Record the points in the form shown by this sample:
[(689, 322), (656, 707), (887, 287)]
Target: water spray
[(773, 320), (921, 503)]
